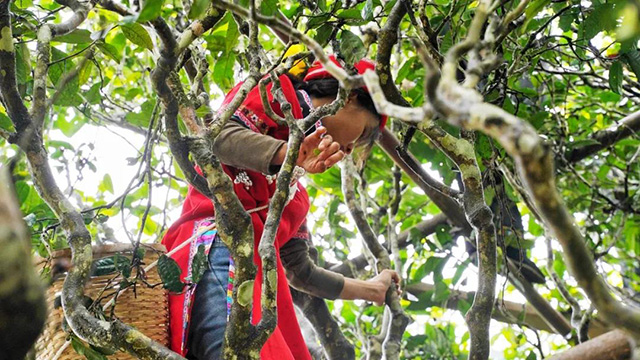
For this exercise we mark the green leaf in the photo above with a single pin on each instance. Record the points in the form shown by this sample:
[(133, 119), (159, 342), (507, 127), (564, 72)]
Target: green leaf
[(632, 58), (198, 9), (603, 17), (441, 292), (269, 7), (92, 96), (459, 271), (23, 63), (58, 68), (323, 33), (69, 93), (6, 123), (150, 226), (169, 272), (199, 265), (584, 142), (615, 77), (351, 47), (137, 34), (353, 14), (78, 36), (150, 10), (27, 197), (316, 21), (566, 20), (533, 9), (223, 71), (143, 117), (232, 35), (109, 265), (322, 5), (106, 184), (109, 50)]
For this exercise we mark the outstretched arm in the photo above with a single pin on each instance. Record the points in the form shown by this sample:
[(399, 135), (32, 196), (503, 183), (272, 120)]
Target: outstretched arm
[(304, 275)]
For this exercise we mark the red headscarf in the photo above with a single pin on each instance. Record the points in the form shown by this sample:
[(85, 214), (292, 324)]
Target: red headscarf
[(317, 71)]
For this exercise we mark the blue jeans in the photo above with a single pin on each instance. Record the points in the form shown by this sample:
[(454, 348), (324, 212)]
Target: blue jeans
[(209, 312)]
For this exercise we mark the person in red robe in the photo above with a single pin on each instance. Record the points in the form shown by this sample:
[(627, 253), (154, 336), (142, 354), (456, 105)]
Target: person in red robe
[(251, 148)]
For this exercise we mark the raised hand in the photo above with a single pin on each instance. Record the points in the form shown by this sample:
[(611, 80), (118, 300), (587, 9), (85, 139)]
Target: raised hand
[(318, 152)]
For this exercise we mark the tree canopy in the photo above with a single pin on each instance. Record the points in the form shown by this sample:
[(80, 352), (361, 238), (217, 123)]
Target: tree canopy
[(509, 168)]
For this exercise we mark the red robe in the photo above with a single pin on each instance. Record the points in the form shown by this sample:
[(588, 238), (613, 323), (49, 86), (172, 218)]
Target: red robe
[(254, 190)]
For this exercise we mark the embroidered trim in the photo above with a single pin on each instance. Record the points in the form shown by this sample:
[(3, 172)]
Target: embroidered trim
[(232, 276), (205, 239), (242, 115), (302, 233), (307, 99)]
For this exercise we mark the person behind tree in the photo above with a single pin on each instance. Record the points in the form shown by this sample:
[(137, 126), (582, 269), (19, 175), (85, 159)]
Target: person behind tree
[(251, 148)]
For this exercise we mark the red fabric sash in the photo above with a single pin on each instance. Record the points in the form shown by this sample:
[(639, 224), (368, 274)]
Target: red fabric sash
[(253, 190)]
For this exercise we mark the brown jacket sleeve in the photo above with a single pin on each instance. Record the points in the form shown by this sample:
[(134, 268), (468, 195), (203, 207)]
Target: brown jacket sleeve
[(304, 275), (243, 148)]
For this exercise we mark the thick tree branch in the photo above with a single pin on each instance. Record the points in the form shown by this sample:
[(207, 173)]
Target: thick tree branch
[(387, 38), (177, 143), (614, 345), (478, 214), (555, 320), (327, 329), (465, 107), (113, 334), (280, 198), (23, 310), (80, 13), (436, 191), (504, 311), (625, 127), (399, 320)]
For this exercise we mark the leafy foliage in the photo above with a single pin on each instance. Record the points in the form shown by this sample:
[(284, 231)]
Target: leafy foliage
[(570, 68)]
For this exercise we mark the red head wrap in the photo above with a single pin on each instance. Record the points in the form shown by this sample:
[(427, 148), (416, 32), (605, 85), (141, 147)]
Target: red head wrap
[(317, 71)]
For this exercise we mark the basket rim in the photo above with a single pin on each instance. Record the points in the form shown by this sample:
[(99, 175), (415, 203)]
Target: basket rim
[(102, 250)]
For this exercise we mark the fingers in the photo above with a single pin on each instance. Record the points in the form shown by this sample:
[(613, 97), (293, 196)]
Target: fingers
[(326, 142), (328, 151), (334, 159), (315, 138), (395, 277)]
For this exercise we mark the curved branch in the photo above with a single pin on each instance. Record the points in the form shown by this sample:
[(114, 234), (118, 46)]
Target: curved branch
[(534, 162), (399, 320), (625, 127), (97, 332), (177, 143), (196, 29), (477, 213), (349, 268), (333, 342), (435, 190), (80, 13), (387, 38)]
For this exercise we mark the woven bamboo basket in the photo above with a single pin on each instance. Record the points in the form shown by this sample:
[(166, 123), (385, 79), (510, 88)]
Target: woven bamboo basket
[(146, 309)]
